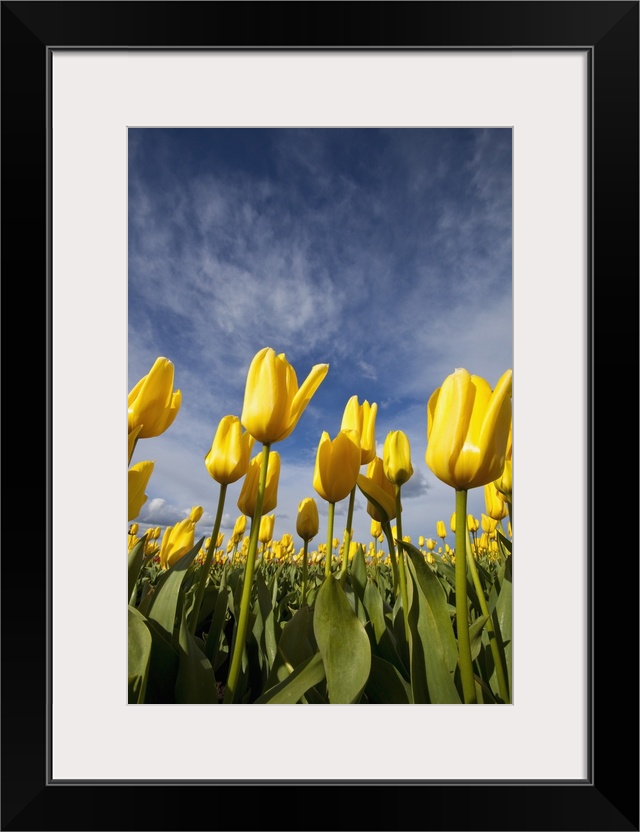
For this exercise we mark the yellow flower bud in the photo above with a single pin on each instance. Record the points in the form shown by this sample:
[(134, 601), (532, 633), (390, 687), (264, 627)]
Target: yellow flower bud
[(239, 528), (337, 465), (431, 544), (273, 403), (494, 502), (397, 457), (472, 523), (489, 524), (265, 532), (230, 452), (139, 475), (179, 539), (249, 490), (421, 541), (362, 418), (440, 529), (307, 522), (452, 522), (467, 429), (505, 484), (152, 403), (375, 530)]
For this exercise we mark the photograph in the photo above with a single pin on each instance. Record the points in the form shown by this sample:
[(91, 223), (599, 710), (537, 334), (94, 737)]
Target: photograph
[(319, 418), (337, 257)]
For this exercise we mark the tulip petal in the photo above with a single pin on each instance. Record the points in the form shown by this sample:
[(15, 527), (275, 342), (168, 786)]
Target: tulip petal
[(450, 417), (304, 395)]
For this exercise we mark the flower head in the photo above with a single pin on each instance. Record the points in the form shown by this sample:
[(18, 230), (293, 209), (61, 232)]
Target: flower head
[(337, 465), (273, 402), (249, 491), (362, 418), (152, 403), (467, 429), (228, 458)]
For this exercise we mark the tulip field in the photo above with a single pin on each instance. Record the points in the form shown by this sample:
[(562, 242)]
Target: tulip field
[(315, 616)]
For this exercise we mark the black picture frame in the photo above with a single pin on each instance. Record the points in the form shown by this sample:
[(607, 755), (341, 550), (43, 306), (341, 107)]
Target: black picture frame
[(608, 798)]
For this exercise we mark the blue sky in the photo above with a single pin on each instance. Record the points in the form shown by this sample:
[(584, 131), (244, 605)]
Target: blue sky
[(386, 253)]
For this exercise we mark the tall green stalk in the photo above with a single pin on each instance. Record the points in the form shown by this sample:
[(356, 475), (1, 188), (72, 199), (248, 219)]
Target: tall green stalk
[(462, 615), (329, 557), (386, 528), (204, 572), (401, 565), (245, 602), (347, 532), (304, 573)]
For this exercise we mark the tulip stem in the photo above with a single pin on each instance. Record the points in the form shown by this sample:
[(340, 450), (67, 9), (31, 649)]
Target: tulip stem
[(386, 527), (347, 532), (465, 662), (304, 574), (401, 565), (493, 641), (243, 619), (204, 572), (327, 563)]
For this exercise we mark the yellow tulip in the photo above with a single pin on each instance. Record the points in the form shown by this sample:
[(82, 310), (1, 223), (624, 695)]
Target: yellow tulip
[(239, 528), (273, 403), (452, 523), (467, 429), (431, 544), (375, 529), (230, 452), (505, 483), (307, 522), (152, 403), (337, 465), (139, 475), (494, 502), (440, 529), (249, 490), (179, 539), (377, 487), (265, 532), (362, 418), (489, 524), (397, 457), (472, 523), (421, 541)]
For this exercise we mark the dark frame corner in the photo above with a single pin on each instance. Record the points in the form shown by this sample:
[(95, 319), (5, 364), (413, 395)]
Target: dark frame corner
[(609, 31)]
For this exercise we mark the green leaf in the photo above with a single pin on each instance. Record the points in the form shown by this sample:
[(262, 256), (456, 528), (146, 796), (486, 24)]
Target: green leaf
[(296, 645), (502, 618), (385, 685), (139, 639), (504, 541), (196, 682), (475, 635), (289, 691), (434, 651), (163, 669), (269, 642), (136, 557), (382, 632), (358, 573), (212, 645), (164, 604), (343, 644)]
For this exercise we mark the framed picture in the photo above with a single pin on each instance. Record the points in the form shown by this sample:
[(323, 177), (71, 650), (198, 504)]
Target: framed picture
[(568, 74)]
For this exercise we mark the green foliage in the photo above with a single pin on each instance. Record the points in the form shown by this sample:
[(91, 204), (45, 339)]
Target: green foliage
[(346, 645)]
